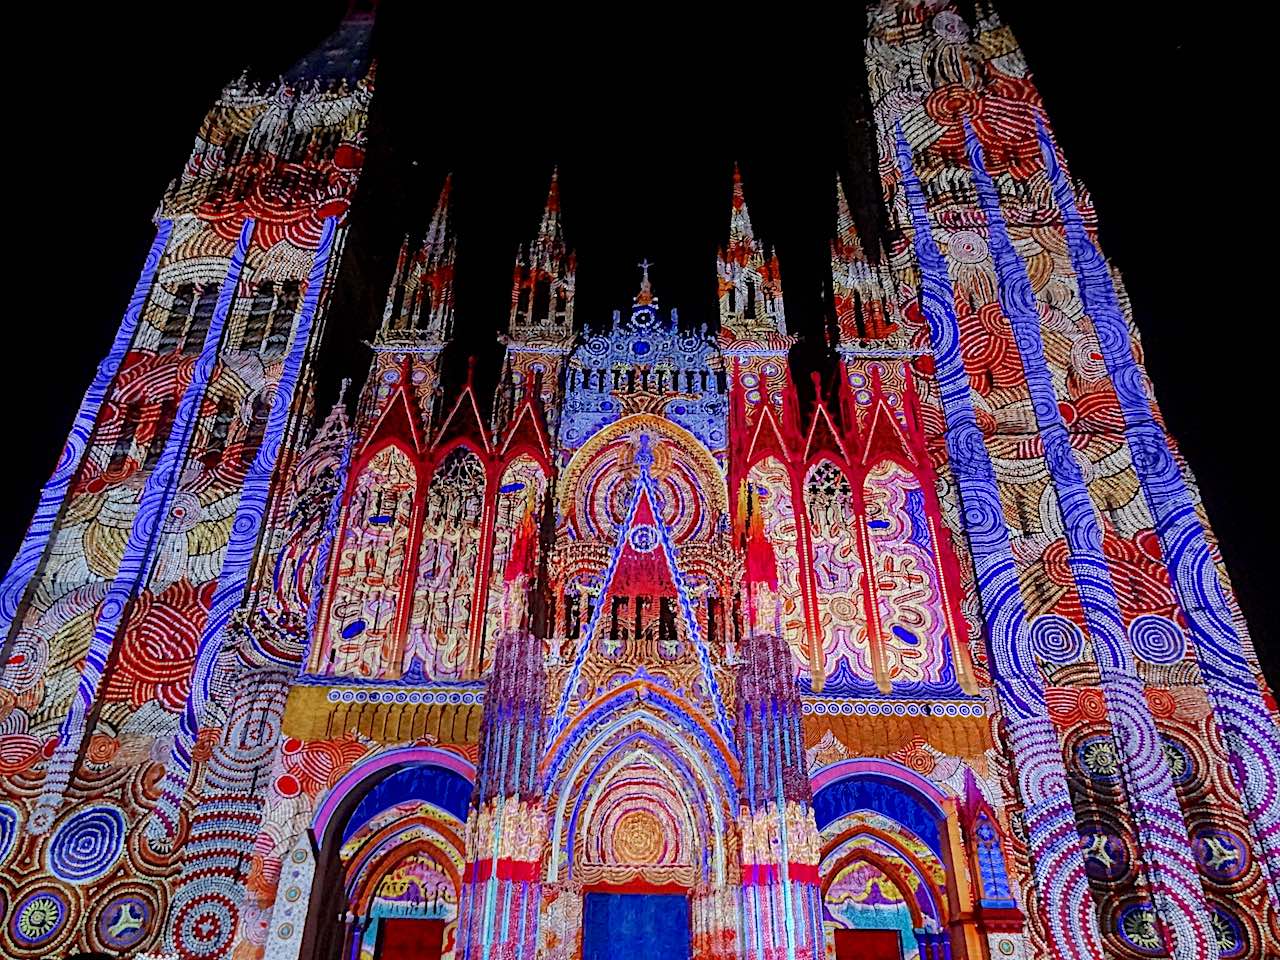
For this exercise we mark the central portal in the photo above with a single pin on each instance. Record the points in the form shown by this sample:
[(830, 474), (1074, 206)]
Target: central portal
[(624, 926)]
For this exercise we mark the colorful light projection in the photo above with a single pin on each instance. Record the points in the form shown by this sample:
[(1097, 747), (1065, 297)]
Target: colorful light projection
[(938, 662)]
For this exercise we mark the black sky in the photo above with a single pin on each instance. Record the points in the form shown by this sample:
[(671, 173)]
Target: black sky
[(1154, 112)]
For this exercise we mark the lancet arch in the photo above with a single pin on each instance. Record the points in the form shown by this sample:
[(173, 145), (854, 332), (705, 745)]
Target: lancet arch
[(448, 566), (889, 870), (371, 566), (840, 647)]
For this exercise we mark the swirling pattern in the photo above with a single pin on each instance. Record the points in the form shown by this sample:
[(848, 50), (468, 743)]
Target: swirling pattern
[(1057, 858), (86, 844), (1176, 887), (54, 492), (967, 246), (9, 820), (1157, 639), (203, 923), (165, 586), (1252, 736), (26, 662), (139, 550), (37, 918), (158, 646), (242, 548), (1055, 639)]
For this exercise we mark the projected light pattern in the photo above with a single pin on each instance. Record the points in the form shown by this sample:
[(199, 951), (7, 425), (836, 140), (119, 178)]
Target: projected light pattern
[(921, 647)]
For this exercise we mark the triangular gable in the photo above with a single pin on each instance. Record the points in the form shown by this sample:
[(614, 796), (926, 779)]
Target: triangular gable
[(527, 430), (627, 552), (884, 435), (766, 437), (823, 436), (641, 563), (464, 421)]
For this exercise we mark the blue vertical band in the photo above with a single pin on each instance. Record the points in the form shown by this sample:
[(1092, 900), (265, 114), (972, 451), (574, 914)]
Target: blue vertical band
[(1057, 857), (1248, 726), (139, 551), (1165, 852), (33, 546), (246, 529)]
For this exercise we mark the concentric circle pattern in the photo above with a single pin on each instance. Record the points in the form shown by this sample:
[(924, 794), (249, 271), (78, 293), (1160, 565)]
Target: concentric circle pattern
[(1157, 639), (87, 844), (37, 918)]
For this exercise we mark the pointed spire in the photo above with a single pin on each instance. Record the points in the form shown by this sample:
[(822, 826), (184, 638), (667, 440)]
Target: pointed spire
[(439, 240), (846, 246), (420, 303), (751, 307), (548, 248), (861, 297), (741, 238), (335, 424), (542, 289), (844, 217)]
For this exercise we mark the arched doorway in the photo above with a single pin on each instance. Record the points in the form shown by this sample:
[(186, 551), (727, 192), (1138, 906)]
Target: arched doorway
[(641, 776), (390, 859), (642, 849), (887, 871)]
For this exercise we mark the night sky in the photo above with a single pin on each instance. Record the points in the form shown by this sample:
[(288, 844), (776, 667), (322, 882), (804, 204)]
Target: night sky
[(645, 122)]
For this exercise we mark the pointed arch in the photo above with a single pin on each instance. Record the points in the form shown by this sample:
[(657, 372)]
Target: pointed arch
[(448, 567), (699, 487), (517, 515), (772, 493), (389, 843), (694, 763), (878, 817), (911, 615), (366, 604), (841, 652)]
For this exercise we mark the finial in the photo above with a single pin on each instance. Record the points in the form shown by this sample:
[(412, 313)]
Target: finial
[(646, 288)]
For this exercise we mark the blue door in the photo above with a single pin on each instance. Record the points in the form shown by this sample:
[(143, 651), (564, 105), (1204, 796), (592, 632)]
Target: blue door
[(618, 925)]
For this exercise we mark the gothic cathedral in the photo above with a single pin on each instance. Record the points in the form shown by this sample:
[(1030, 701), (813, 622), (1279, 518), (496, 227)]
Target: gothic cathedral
[(666, 646)]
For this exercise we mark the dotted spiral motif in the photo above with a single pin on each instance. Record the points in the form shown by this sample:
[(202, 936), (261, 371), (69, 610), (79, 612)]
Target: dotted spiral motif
[(1055, 639), (139, 549), (1057, 857), (1250, 732), (1139, 928), (87, 844), (55, 491), (242, 548), (966, 246), (204, 925), (1157, 639), (1175, 886)]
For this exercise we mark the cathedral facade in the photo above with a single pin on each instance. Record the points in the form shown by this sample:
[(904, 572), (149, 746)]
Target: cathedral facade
[(666, 644)]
